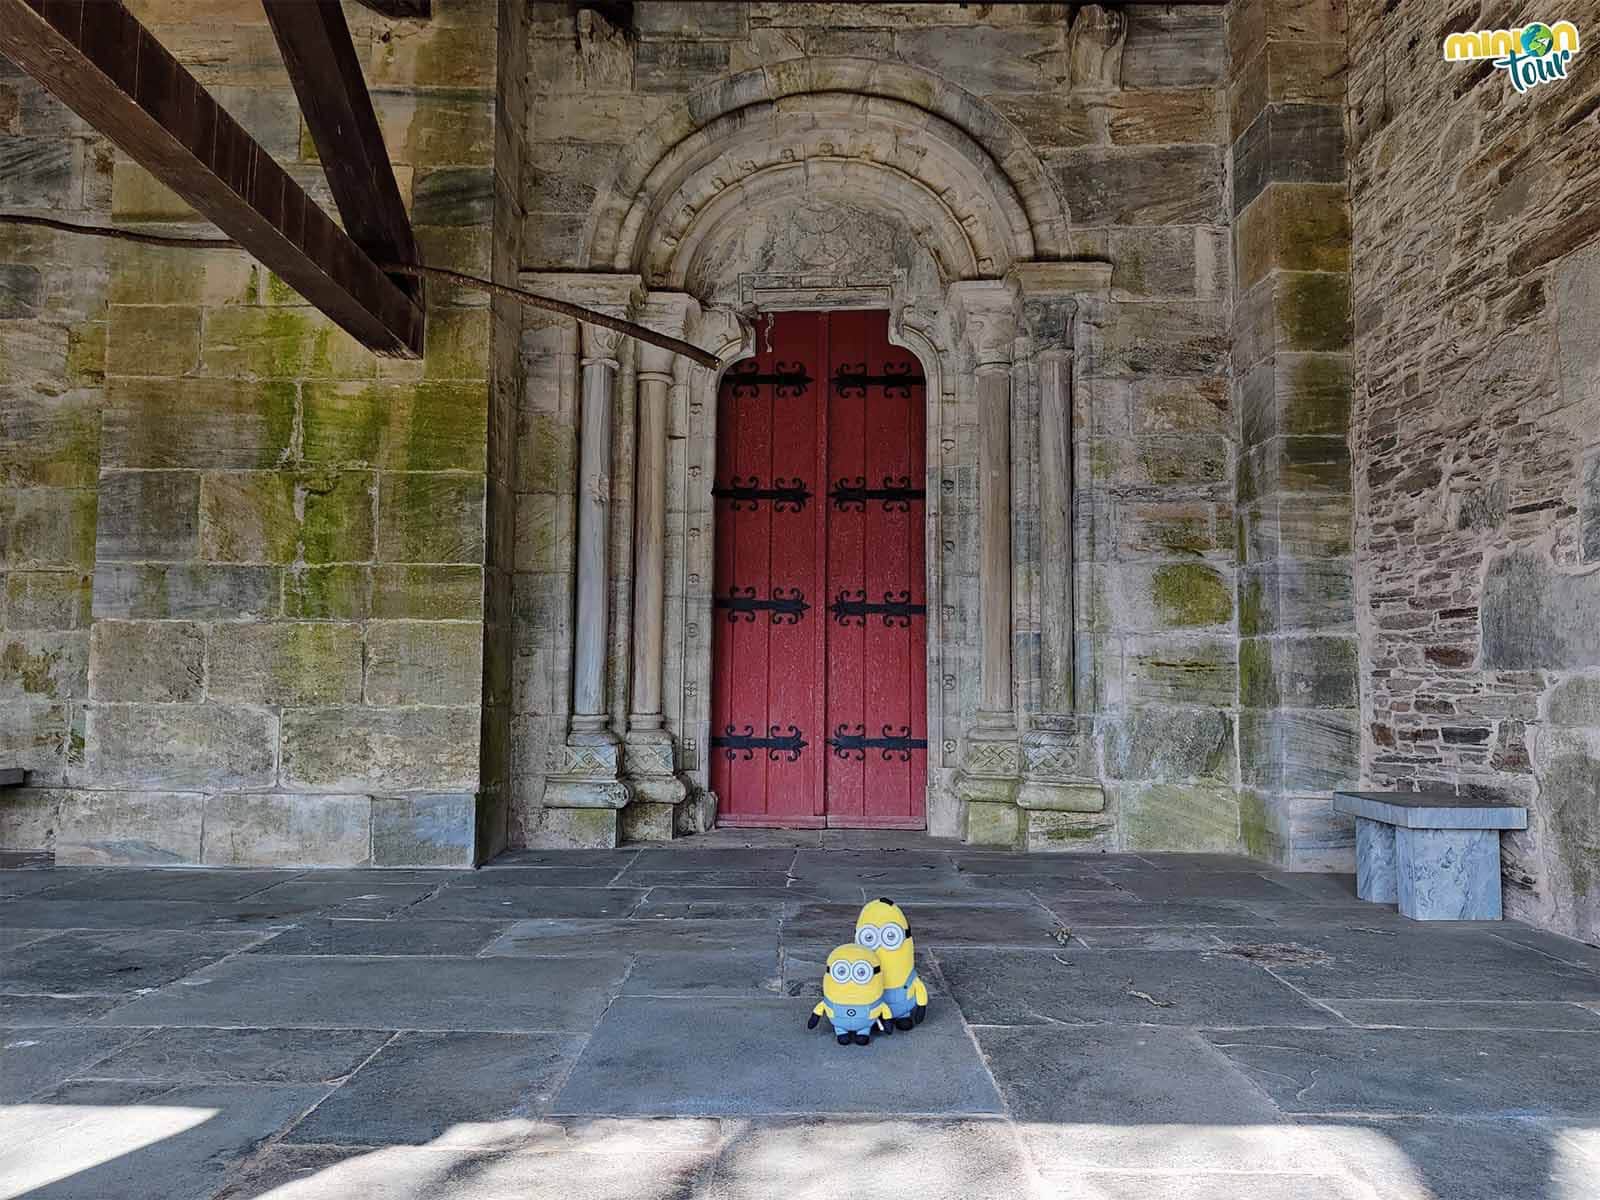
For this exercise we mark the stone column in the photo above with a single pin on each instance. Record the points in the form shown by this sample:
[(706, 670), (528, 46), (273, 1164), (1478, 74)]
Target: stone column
[(649, 754), (584, 790), (1062, 802), (991, 765)]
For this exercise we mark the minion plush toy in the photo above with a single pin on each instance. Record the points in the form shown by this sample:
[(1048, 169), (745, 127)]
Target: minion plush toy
[(883, 929), (852, 996)]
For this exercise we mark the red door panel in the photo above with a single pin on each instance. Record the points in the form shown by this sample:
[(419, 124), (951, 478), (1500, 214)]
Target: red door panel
[(818, 654)]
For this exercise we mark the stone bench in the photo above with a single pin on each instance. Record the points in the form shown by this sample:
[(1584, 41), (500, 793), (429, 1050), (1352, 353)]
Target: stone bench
[(1436, 855)]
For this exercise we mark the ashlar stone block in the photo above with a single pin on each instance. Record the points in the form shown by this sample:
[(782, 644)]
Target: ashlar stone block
[(346, 749), (159, 661), (288, 830), (179, 746), (424, 662), (289, 662)]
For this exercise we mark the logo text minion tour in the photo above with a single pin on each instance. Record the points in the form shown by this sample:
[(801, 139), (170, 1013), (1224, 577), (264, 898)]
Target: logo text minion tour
[(1530, 54)]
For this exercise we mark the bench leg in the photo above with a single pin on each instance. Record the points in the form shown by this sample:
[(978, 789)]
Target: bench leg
[(1375, 871), (1449, 874)]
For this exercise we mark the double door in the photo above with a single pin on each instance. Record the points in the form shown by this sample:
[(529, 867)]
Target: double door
[(819, 645)]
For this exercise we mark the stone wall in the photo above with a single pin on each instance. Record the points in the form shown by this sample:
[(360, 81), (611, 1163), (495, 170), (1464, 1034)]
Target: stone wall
[(246, 558), (1291, 386), (1127, 115), (1477, 306)]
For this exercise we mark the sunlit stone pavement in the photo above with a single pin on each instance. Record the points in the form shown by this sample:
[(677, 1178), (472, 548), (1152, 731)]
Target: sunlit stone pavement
[(631, 1023)]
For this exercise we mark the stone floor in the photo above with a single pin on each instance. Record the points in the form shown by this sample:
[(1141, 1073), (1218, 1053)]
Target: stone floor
[(631, 1023)]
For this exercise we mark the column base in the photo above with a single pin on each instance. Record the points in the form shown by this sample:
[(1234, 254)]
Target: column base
[(987, 786), (583, 795), (648, 765)]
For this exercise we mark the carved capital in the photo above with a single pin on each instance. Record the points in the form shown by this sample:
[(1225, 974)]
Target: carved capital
[(676, 314), (988, 311), (600, 345)]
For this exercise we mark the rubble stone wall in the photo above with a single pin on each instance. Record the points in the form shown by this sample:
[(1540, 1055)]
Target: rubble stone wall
[(1477, 449)]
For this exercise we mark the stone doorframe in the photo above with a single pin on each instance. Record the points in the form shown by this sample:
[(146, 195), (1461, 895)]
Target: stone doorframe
[(1004, 746), (831, 183)]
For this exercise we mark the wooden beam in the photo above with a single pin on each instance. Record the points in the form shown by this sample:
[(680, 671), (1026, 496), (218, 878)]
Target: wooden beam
[(327, 78), (98, 60), (400, 10)]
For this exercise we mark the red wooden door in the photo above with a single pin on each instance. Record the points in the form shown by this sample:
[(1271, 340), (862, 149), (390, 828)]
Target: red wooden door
[(819, 647)]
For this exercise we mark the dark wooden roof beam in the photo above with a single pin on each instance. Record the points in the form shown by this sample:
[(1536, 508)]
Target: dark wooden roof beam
[(326, 73), (98, 60)]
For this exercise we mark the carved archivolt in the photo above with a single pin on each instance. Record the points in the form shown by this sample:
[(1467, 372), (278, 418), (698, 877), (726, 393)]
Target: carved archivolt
[(887, 137)]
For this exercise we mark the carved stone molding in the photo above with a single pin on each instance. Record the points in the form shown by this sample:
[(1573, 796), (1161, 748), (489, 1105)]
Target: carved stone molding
[(988, 313)]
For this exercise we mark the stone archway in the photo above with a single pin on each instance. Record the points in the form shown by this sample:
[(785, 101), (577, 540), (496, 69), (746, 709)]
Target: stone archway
[(838, 183)]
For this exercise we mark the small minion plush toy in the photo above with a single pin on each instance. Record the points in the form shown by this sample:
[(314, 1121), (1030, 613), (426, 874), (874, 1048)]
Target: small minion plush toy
[(852, 996), (883, 929)]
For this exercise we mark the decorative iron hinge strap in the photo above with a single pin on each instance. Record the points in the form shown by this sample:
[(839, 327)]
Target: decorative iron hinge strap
[(732, 743), (851, 379), (896, 494), (895, 608), (786, 605), (788, 379), (786, 495), (892, 744)]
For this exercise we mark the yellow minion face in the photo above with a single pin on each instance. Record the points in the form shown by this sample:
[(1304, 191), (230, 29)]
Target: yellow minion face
[(883, 929), (853, 976)]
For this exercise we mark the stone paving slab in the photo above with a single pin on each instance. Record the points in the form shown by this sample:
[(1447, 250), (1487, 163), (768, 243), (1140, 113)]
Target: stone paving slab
[(1204, 990), (1076, 911), (356, 936), (1420, 1071), (652, 877), (1506, 1158), (12, 939), (1001, 862), (1154, 937), (565, 858), (725, 973), (43, 913), (831, 1159), (932, 925), (33, 880), (494, 900), (187, 884), (35, 1060), (345, 898), (140, 1141), (724, 903), (1412, 964), (444, 1089), (487, 994), (241, 1055), (293, 1172), (114, 961), (24, 1011), (564, 877), (1233, 886), (756, 1057), (1465, 1014), (1119, 1076), (869, 864), (556, 936), (714, 860)]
